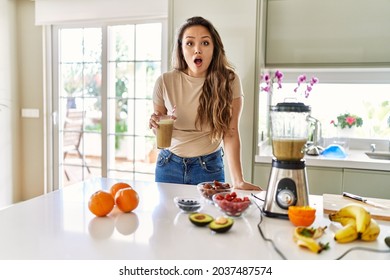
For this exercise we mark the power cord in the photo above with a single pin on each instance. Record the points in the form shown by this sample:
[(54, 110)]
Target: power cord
[(285, 258), (262, 233)]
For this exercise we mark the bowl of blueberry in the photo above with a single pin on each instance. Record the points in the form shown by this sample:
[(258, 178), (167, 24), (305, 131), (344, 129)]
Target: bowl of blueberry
[(188, 204)]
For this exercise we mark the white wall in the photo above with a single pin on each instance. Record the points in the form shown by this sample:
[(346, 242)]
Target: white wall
[(30, 81), (10, 182), (236, 23)]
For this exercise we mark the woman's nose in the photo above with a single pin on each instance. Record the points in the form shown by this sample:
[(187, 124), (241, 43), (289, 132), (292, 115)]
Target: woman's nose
[(198, 50)]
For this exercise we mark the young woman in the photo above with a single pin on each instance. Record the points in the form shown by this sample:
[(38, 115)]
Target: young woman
[(205, 96)]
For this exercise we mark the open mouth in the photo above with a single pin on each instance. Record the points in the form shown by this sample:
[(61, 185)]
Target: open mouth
[(198, 61)]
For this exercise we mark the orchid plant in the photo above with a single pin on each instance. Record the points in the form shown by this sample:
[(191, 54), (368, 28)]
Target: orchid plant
[(269, 81)]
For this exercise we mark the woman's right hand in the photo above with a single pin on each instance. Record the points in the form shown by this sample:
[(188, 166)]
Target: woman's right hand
[(153, 120)]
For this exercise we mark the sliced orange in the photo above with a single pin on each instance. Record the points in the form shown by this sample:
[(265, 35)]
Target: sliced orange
[(301, 215)]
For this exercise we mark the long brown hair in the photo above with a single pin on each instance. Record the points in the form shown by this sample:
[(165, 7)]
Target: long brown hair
[(215, 102)]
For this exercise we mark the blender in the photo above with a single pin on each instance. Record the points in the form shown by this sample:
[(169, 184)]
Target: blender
[(287, 184)]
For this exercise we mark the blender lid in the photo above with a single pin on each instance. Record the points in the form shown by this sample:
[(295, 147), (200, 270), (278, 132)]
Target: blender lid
[(291, 107)]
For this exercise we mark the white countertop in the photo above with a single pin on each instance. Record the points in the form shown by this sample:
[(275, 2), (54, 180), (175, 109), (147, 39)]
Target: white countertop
[(59, 226), (356, 159)]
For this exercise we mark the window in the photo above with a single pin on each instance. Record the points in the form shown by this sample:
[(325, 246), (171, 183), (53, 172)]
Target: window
[(106, 76), (363, 92)]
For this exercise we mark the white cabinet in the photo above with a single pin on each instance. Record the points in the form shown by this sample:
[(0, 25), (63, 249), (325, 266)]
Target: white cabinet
[(261, 174), (321, 180), (367, 183), (328, 32), (336, 180), (325, 180)]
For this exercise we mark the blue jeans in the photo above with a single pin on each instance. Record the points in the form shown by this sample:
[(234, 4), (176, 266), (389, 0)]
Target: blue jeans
[(171, 168)]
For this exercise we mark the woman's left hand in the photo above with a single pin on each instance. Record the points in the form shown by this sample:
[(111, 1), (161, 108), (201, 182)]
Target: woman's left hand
[(247, 187)]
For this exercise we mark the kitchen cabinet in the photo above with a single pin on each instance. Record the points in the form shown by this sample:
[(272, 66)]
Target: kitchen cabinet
[(328, 32), (325, 180), (321, 180), (367, 183), (261, 174), (370, 183)]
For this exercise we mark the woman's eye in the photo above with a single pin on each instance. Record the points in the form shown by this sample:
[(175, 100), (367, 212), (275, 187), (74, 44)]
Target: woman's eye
[(189, 43), (206, 43)]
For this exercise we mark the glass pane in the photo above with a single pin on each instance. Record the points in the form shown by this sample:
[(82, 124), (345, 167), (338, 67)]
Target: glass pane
[(121, 43), (124, 82), (146, 75), (93, 116), (92, 44), (71, 79), (71, 45), (92, 75), (148, 41), (143, 110)]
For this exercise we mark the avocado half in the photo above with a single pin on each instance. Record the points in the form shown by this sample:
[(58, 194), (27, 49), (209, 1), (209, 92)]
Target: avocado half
[(221, 224), (200, 219)]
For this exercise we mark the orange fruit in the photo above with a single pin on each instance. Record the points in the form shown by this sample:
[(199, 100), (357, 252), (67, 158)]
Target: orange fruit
[(117, 186), (101, 203), (301, 215), (126, 199)]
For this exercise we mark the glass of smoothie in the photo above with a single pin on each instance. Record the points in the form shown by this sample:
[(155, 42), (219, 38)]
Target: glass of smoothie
[(164, 131)]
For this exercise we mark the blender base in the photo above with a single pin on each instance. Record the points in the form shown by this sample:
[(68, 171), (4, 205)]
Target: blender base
[(287, 186)]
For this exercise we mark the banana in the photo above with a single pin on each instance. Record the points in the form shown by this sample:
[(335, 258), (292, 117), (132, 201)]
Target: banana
[(334, 217), (372, 232), (346, 234), (359, 213), (302, 238)]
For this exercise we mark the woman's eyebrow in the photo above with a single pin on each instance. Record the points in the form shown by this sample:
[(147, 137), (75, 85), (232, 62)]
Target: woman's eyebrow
[(193, 37)]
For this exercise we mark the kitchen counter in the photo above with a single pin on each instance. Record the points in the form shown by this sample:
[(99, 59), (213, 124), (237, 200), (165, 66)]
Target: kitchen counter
[(356, 159), (58, 225)]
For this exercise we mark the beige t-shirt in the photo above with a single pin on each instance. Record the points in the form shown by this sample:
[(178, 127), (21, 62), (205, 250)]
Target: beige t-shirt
[(177, 88)]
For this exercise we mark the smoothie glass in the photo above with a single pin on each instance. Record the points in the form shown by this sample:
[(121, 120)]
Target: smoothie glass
[(164, 131)]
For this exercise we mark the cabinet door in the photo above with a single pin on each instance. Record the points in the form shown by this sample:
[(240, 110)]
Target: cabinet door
[(328, 32), (324, 180), (261, 174), (367, 183)]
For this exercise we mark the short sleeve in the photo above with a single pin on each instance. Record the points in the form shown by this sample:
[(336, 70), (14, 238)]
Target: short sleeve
[(158, 92), (237, 87)]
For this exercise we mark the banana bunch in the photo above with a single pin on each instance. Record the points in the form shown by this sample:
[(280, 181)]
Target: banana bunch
[(357, 224), (306, 237)]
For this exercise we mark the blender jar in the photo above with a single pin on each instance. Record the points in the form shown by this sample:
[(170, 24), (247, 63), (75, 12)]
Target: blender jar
[(290, 130)]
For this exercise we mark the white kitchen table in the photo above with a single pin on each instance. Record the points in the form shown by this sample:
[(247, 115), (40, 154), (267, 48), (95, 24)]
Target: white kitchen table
[(59, 226)]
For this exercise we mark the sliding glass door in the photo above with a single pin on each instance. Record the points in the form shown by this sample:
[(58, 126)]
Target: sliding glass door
[(103, 83)]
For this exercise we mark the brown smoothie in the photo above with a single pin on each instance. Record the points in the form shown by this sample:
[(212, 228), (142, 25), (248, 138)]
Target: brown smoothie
[(164, 133), (288, 149)]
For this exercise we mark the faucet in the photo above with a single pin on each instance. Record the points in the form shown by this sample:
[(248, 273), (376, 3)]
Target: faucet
[(315, 149), (373, 147)]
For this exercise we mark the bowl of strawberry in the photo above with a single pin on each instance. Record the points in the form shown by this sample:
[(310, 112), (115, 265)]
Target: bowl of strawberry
[(232, 204)]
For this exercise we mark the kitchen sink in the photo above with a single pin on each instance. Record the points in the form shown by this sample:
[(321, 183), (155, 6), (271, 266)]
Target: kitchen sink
[(379, 155)]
